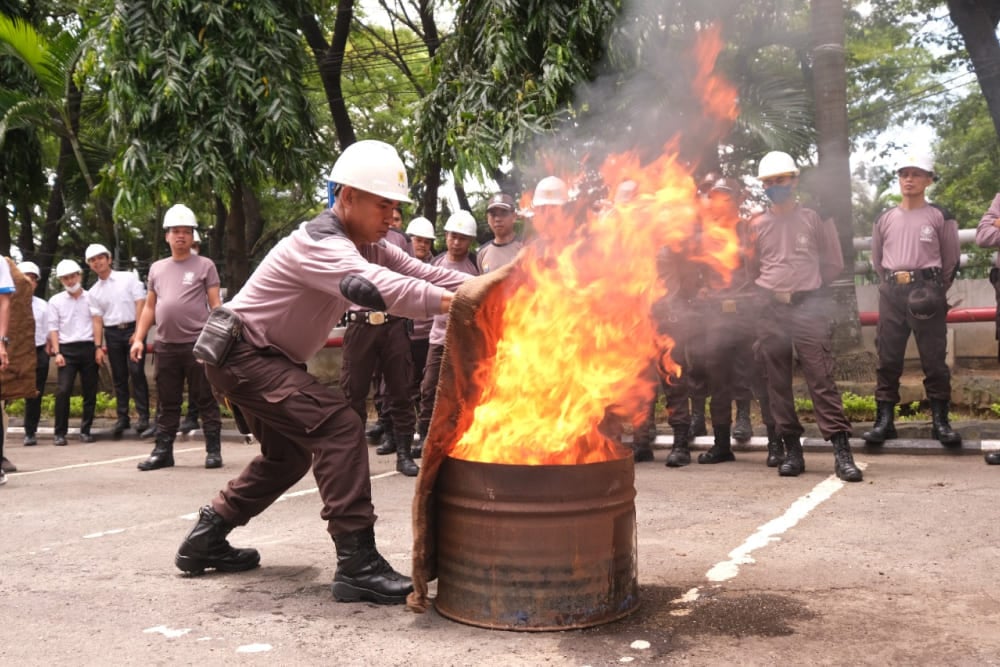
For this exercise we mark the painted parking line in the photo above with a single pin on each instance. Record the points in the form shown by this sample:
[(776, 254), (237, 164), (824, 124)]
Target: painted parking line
[(764, 535), (104, 462)]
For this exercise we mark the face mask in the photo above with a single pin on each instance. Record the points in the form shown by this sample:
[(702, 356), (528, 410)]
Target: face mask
[(73, 289), (779, 194)]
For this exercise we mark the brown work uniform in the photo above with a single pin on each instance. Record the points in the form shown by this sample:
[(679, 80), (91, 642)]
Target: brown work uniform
[(288, 307), (796, 256), (988, 236), (377, 351), (911, 249)]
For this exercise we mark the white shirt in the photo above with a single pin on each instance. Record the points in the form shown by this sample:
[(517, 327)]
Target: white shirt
[(113, 299), (71, 318), (40, 309), (6, 280)]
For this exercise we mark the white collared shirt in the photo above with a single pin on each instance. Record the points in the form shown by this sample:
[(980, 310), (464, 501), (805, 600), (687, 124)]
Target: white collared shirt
[(40, 309), (71, 318), (113, 299)]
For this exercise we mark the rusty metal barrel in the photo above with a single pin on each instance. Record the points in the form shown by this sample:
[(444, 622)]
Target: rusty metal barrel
[(536, 548)]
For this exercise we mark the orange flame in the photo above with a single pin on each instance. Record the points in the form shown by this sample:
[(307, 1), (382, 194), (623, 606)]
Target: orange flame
[(575, 338)]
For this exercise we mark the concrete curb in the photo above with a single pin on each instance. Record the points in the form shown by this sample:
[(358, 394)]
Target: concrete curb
[(898, 446)]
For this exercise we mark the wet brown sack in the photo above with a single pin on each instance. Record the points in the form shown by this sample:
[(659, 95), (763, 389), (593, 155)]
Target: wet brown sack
[(473, 330)]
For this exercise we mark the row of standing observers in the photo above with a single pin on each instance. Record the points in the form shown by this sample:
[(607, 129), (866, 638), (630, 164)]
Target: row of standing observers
[(81, 329)]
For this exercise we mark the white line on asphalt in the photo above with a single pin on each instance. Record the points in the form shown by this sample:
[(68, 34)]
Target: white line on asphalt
[(100, 463), (764, 535)]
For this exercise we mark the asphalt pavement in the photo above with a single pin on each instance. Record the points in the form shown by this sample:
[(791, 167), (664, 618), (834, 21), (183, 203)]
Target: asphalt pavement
[(736, 566)]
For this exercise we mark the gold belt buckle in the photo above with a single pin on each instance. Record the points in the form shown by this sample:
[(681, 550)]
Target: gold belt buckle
[(376, 318), (783, 297), (904, 278), (729, 306)]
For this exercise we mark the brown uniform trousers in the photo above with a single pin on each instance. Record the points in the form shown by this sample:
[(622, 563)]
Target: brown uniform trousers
[(894, 326), (386, 347), (723, 353), (805, 324), (299, 422), (173, 364)]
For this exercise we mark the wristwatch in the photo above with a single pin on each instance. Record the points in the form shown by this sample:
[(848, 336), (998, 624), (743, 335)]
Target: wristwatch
[(5, 340)]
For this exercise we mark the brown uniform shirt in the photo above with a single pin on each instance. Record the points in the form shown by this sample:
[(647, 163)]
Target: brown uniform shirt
[(795, 251), (987, 234), (923, 238)]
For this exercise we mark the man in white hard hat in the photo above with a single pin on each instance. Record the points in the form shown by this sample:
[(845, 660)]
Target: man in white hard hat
[(548, 209), (71, 340), (915, 252), (797, 256), (422, 237), (39, 308), (504, 246), (988, 236), (116, 302), (183, 289), (288, 307), (460, 231)]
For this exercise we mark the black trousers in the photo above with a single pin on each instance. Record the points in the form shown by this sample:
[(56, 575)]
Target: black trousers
[(33, 406), (895, 324), (123, 369), (174, 364), (79, 361)]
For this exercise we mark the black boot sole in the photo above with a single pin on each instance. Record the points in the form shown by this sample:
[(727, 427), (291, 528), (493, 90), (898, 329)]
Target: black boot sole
[(848, 476), (344, 592), (198, 566), (156, 465), (213, 463), (717, 457)]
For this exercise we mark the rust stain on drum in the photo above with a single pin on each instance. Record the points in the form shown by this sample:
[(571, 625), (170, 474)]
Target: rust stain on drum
[(536, 547)]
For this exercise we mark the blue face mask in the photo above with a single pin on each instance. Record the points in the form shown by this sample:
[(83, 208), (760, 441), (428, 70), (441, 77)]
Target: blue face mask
[(779, 194)]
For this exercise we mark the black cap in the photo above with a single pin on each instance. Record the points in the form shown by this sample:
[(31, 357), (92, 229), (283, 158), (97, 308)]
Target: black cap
[(501, 200)]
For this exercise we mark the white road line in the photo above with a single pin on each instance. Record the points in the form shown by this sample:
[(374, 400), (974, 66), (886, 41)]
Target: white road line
[(765, 535), (101, 463)]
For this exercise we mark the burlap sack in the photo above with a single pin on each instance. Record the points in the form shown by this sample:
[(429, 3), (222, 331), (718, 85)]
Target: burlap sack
[(473, 328), (18, 380)]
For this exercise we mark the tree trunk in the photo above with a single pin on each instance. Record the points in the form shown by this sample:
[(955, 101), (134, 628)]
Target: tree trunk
[(236, 262), (977, 22), (330, 61), (832, 182), (254, 220), (432, 183)]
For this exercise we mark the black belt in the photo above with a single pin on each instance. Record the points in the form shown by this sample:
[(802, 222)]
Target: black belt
[(371, 317), (915, 276), (792, 298), (124, 325)]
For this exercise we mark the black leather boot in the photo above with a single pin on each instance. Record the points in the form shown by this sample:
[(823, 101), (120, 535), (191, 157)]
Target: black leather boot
[(698, 426), (206, 547), (793, 465), (213, 450), (375, 433), (680, 454), (843, 461), (388, 445), (363, 574), (742, 428), (884, 427), (993, 458), (722, 450), (162, 455), (121, 425), (775, 448), (941, 428), (189, 424), (404, 458), (642, 452)]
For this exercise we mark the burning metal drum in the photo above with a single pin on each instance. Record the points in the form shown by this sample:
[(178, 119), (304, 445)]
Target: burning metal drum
[(535, 548)]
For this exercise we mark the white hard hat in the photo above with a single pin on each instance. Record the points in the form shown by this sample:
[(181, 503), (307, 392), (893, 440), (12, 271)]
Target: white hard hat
[(67, 267), (95, 249), (776, 163), (372, 166), (179, 215), (550, 191), (461, 222), (29, 267), (197, 236), (421, 227), (919, 160)]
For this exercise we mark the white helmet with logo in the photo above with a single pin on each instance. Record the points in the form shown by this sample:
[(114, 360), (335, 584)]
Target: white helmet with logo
[(461, 222), (29, 267), (421, 227), (67, 267), (180, 215), (95, 250), (776, 163), (372, 166), (550, 191), (922, 161)]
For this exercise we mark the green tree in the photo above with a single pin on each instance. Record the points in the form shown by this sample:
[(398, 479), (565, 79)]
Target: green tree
[(207, 103), (968, 159)]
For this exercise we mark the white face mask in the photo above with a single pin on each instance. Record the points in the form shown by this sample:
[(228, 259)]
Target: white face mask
[(73, 289)]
